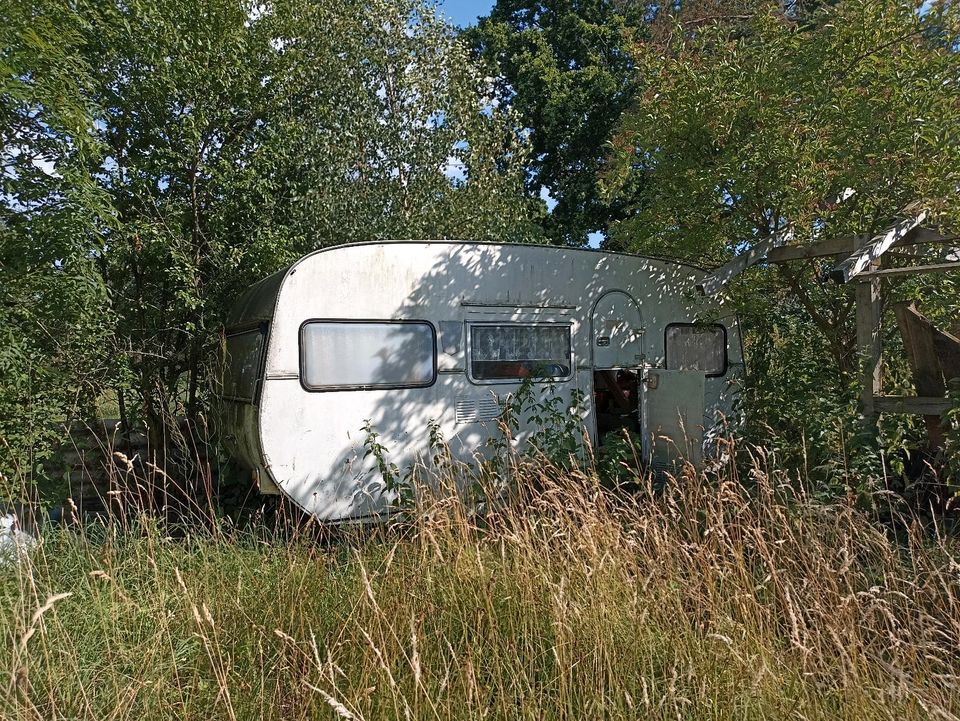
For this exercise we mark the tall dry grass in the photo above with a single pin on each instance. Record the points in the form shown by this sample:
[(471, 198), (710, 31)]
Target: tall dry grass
[(718, 596)]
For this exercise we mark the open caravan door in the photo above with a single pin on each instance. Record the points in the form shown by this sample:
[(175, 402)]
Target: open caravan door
[(671, 412)]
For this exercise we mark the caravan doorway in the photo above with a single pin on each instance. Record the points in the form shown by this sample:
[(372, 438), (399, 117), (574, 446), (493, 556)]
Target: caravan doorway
[(616, 400), (617, 349)]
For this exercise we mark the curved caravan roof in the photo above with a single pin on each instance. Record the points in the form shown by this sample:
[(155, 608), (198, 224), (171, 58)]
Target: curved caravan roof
[(306, 438), (257, 302)]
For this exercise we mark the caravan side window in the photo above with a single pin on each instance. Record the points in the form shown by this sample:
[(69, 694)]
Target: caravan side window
[(244, 355), (509, 352), (692, 347), (359, 355)]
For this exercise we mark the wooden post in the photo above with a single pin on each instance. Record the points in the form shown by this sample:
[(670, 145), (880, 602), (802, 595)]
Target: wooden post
[(868, 347)]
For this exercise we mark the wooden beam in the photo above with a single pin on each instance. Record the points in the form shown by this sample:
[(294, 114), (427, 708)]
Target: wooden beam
[(922, 236), (947, 347), (908, 270), (863, 258), (907, 233), (820, 249), (917, 405), (713, 283), (849, 243), (918, 340)]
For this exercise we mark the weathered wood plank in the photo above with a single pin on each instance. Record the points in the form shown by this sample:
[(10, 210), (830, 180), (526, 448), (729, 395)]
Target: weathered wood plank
[(923, 236), (919, 405), (905, 234), (908, 270), (714, 283), (918, 340), (862, 258), (849, 243), (947, 347), (820, 249), (869, 348)]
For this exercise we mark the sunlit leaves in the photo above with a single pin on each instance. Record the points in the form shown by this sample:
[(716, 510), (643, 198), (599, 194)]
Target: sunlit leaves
[(172, 152), (740, 133)]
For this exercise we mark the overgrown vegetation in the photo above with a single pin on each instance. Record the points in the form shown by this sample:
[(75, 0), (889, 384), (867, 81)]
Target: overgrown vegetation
[(723, 596), (159, 156), (709, 127)]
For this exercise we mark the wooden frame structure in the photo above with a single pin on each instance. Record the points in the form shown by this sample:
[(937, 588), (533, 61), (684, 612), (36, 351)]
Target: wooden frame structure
[(934, 354)]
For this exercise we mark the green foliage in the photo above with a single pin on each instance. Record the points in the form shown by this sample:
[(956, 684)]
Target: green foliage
[(537, 415), (744, 131), (161, 156), (565, 69), (238, 143), (388, 471), (698, 129), (951, 446), (618, 459), (55, 319), (558, 426)]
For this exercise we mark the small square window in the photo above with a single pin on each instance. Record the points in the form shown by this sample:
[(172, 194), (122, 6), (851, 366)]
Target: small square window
[(451, 334), (692, 347)]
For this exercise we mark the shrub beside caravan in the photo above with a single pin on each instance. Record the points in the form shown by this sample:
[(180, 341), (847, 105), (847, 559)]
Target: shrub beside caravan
[(405, 334)]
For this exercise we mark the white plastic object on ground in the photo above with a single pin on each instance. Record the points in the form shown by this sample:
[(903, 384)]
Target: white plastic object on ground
[(15, 544)]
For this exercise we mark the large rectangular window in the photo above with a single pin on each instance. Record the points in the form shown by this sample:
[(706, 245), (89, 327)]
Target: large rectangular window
[(242, 368), (339, 355), (691, 347), (502, 352)]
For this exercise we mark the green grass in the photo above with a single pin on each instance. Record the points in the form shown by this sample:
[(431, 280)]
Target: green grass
[(707, 601)]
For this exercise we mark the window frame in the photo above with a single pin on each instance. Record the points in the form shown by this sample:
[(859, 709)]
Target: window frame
[(523, 324), (726, 354), (364, 386), (263, 328)]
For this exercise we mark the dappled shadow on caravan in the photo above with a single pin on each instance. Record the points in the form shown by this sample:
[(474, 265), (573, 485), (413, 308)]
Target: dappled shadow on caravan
[(398, 338)]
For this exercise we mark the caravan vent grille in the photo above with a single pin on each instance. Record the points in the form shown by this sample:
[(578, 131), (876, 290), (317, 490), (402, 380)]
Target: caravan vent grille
[(474, 410)]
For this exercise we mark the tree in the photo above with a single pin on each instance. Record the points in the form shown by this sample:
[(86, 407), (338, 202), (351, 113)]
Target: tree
[(231, 137), (738, 136), (54, 312), (565, 68)]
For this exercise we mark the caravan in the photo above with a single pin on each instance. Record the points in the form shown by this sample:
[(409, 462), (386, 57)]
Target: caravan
[(409, 333)]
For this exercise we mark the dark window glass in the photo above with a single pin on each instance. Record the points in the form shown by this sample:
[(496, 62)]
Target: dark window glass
[(519, 351), (244, 356), (697, 348)]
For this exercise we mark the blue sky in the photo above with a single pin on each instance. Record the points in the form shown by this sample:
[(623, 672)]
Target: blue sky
[(464, 12)]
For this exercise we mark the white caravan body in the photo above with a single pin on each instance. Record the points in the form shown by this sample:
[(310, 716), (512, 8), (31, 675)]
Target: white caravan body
[(404, 334)]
